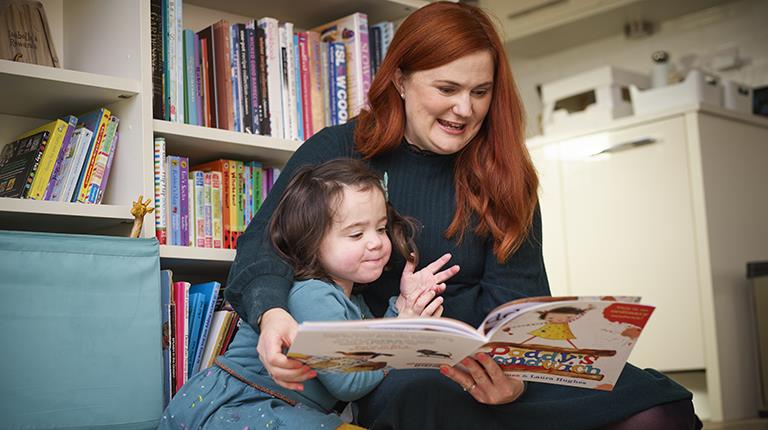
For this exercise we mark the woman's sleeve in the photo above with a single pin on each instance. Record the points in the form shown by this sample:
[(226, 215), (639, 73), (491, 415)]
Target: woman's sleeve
[(316, 301), (522, 275), (259, 279)]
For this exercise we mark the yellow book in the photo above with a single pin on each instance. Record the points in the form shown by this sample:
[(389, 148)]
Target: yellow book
[(57, 130)]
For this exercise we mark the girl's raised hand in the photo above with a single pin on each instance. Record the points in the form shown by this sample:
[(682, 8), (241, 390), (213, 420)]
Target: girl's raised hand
[(412, 284)]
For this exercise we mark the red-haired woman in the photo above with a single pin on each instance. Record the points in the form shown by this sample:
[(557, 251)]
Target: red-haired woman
[(445, 127)]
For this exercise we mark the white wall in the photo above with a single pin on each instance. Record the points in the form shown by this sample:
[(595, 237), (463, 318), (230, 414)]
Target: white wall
[(691, 40)]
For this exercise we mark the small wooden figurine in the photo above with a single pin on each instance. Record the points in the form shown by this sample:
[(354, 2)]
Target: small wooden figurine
[(139, 209)]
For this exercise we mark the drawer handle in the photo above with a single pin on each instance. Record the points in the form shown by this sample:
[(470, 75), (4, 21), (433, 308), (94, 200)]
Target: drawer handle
[(623, 146)]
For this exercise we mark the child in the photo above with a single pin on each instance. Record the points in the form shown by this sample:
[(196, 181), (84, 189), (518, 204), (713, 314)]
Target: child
[(335, 228)]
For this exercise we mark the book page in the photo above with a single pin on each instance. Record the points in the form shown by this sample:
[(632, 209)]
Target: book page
[(582, 343)]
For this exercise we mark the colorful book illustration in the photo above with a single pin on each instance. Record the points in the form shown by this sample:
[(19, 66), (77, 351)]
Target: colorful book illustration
[(57, 130), (20, 162), (575, 341), (72, 165)]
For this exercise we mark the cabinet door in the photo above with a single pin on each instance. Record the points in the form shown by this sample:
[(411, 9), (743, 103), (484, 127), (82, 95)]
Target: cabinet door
[(629, 231), (546, 160)]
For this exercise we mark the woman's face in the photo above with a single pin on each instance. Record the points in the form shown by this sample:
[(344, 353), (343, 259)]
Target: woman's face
[(445, 106)]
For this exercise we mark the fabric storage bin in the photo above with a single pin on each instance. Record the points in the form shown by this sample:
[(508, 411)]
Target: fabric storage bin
[(80, 329)]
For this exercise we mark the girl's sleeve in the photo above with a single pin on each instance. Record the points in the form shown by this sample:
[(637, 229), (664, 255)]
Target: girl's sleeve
[(318, 301), (259, 279), (522, 275)]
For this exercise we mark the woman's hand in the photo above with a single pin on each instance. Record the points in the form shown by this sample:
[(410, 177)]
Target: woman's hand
[(278, 328), (484, 380), (421, 304), (413, 284)]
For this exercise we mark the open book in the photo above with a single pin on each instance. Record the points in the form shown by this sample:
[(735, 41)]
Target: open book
[(576, 341)]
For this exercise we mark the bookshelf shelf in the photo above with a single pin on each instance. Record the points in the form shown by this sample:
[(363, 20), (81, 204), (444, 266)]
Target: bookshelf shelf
[(197, 264), (310, 13), (194, 253), (60, 217), (47, 92), (202, 144)]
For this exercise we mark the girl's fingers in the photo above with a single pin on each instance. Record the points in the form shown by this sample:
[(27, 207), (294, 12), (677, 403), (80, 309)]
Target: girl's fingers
[(446, 274), (409, 267), (434, 266), (423, 300), (432, 307)]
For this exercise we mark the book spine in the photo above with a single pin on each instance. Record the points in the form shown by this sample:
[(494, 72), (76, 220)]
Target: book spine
[(179, 64), (184, 201), (245, 78), (198, 178), (100, 131), (77, 164), (290, 83), (253, 72), (265, 118), (59, 164), (174, 209), (171, 57), (67, 163), (102, 157), (207, 211), (198, 80), (340, 84), (318, 97), (222, 41), (325, 85), (364, 63), (105, 179), (160, 191), (333, 111), (297, 87), (43, 144), (166, 299), (158, 59), (257, 196), (237, 100), (235, 201), (48, 160), (206, 325), (190, 99), (274, 93), (305, 85), (181, 300), (217, 217), (192, 232)]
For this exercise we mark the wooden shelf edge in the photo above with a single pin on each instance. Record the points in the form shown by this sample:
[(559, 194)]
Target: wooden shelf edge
[(167, 128), (194, 253), (69, 77), (117, 212)]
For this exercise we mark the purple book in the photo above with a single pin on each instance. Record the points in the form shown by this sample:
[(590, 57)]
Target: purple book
[(184, 200), (198, 82), (72, 121)]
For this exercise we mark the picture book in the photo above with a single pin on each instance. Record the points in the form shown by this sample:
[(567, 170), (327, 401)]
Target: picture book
[(574, 341), (209, 293), (20, 162)]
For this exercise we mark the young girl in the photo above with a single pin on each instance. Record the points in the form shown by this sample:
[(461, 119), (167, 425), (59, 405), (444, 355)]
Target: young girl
[(336, 229)]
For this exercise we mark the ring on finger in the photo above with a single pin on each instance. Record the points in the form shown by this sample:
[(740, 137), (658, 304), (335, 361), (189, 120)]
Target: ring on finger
[(469, 388)]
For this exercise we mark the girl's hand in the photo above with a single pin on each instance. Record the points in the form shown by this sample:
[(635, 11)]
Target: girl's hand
[(484, 380), (412, 284), (423, 304), (278, 328)]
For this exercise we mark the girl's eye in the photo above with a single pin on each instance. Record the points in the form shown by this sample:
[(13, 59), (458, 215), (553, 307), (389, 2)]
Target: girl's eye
[(356, 235), (382, 229)]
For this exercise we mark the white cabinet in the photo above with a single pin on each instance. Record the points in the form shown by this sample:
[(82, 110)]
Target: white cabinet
[(670, 208)]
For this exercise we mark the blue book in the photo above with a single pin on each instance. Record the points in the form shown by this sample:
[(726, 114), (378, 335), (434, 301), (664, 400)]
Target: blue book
[(209, 291), (297, 62), (237, 107), (195, 315), (190, 78), (166, 315)]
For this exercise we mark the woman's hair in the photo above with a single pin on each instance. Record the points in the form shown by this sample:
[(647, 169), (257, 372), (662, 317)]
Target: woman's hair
[(306, 212), (495, 180)]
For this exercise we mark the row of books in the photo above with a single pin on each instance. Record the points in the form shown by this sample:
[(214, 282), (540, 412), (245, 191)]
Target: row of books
[(208, 205), (66, 160), (261, 77), (198, 326)]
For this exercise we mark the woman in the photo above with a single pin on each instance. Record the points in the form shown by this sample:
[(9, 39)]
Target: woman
[(445, 128)]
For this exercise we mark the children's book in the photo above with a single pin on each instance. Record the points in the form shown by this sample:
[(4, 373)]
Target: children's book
[(574, 341), (209, 293)]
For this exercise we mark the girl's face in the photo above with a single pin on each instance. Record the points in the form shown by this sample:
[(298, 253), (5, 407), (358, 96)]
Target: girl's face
[(356, 247), (558, 318), (445, 106)]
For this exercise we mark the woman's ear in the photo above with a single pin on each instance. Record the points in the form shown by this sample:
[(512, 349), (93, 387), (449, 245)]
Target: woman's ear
[(398, 81)]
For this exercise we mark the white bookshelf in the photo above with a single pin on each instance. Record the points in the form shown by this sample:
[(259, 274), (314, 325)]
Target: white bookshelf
[(60, 217)]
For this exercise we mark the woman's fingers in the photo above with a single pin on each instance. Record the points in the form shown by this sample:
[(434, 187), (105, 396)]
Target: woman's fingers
[(278, 328)]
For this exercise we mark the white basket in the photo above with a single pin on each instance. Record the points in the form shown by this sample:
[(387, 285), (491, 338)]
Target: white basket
[(737, 96), (696, 88), (608, 87)]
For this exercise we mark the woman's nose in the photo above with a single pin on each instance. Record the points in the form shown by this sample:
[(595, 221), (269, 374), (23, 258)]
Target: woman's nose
[(463, 105)]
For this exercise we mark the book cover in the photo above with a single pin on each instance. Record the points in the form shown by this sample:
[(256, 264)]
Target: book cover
[(18, 170), (352, 30), (209, 293), (196, 307), (96, 121), (105, 179), (57, 130), (340, 86), (102, 158), (217, 214), (219, 324), (73, 165), (198, 180), (575, 341)]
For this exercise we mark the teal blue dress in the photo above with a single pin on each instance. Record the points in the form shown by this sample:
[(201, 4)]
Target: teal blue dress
[(225, 396)]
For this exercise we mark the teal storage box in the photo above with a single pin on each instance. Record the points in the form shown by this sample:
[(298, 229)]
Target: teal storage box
[(80, 332)]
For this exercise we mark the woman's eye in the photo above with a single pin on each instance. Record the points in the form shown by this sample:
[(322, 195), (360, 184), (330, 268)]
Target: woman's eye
[(480, 93), (446, 90)]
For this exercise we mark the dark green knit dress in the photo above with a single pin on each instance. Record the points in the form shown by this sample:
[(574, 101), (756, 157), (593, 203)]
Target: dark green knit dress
[(420, 184)]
